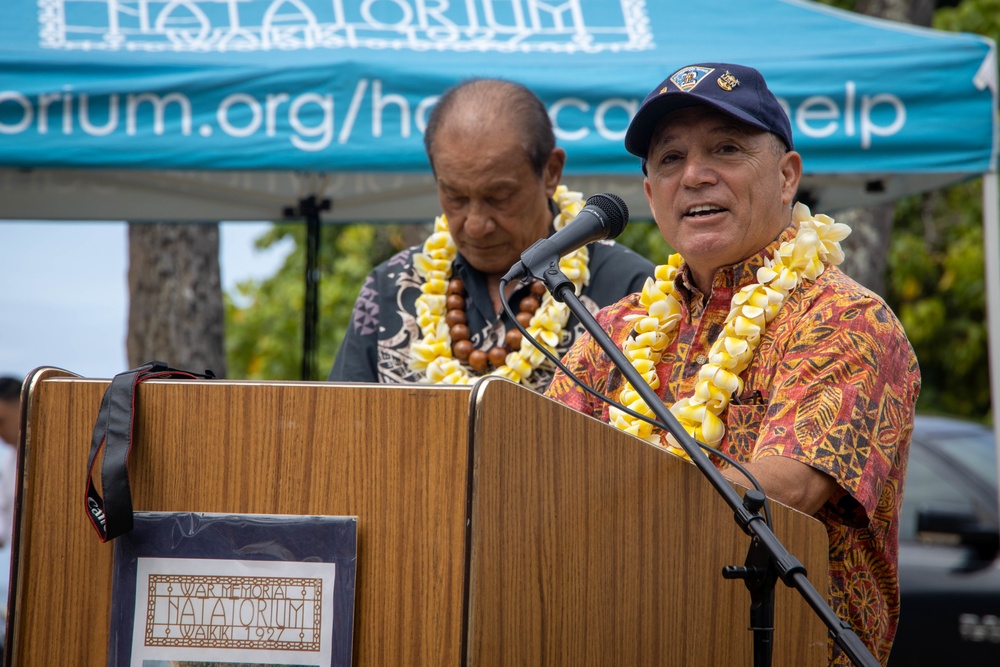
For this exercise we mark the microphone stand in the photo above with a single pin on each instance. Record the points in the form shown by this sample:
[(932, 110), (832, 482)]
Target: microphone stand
[(767, 559)]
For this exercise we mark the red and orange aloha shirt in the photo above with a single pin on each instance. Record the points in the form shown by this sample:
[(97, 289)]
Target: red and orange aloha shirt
[(833, 384)]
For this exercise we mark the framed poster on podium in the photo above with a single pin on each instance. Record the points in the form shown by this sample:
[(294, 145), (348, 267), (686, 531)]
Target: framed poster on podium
[(240, 589)]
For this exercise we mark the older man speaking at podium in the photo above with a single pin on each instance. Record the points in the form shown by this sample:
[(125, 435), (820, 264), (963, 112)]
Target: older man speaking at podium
[(760, 345)]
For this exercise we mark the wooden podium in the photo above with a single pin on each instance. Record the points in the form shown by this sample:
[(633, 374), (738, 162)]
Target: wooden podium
[(495, 526)]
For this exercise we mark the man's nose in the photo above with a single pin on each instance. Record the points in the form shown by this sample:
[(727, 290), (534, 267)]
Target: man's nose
[(479, 221), (698, 170)]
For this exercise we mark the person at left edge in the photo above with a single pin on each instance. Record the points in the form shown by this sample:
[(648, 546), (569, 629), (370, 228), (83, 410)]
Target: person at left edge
[(432, 313), (10, 416)]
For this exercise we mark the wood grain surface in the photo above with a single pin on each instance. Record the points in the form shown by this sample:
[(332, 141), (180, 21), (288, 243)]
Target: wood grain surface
[(587, 546), (592, 547), (396, 457)]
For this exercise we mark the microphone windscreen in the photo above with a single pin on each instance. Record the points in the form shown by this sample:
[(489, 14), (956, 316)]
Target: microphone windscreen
[(614, 208)]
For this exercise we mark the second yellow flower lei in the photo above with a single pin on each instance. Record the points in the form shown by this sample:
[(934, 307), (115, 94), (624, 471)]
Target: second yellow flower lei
[(816, 243), (432, 353)]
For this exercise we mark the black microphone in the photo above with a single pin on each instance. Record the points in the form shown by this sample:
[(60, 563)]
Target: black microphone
[(603, 217)]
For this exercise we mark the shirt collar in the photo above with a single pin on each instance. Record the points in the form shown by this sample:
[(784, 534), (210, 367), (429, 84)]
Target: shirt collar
[(738, 275), (477, 292)]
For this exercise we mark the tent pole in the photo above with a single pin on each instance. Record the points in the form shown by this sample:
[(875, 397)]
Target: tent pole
[(310, 209), (311, 311), (991, 241)]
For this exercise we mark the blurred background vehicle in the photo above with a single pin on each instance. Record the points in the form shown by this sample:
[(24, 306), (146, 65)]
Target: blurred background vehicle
[(949, 548)]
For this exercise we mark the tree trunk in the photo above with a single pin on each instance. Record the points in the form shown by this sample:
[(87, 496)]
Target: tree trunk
[(917, 12), (867, 247), (175, 296)]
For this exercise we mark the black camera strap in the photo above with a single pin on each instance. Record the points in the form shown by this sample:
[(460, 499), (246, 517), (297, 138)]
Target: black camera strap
[(111, 515)]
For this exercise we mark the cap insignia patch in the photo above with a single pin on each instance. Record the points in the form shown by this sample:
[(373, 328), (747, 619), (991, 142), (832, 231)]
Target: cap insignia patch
[(727, 81), (689, 77)]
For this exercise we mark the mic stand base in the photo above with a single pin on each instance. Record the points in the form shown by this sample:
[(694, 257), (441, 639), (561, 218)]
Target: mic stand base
[(759, 575)]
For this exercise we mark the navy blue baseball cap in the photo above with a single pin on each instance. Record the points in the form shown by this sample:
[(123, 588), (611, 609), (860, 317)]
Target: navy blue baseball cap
[(736, 90)]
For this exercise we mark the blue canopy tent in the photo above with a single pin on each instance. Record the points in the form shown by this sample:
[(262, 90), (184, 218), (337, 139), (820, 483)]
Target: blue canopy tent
[(233, 109), (238, 109)]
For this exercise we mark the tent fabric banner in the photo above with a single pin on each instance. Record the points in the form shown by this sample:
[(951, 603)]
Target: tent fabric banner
[(346, 85)]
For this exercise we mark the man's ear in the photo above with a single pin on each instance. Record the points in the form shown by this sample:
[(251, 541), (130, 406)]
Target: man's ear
[(790, 168), (649, 195), (552, 174)]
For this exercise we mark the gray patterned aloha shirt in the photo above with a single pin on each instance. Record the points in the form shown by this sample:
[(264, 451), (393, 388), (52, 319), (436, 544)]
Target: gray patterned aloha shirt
[(383, 325)]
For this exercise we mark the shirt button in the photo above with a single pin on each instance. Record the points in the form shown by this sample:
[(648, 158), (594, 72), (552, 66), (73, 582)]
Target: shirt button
[(701, 360)]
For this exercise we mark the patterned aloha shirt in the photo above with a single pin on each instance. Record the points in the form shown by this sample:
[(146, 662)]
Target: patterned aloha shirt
[(833, 384), (376, 347)]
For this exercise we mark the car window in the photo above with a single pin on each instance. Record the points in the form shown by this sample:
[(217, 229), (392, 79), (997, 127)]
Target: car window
[(975, 453), (925, 484)]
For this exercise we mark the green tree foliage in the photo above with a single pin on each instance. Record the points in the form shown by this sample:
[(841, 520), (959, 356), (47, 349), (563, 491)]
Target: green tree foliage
[(938, 268), (847, 5), (978, 16), (936, 286), (264, 321)]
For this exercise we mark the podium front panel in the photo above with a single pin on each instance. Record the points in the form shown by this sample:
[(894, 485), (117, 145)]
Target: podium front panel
[(396, 457), (592, 547)]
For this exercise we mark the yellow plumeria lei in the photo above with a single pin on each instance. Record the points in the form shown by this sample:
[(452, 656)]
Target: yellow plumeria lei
[(816, 243), (432, 353)]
